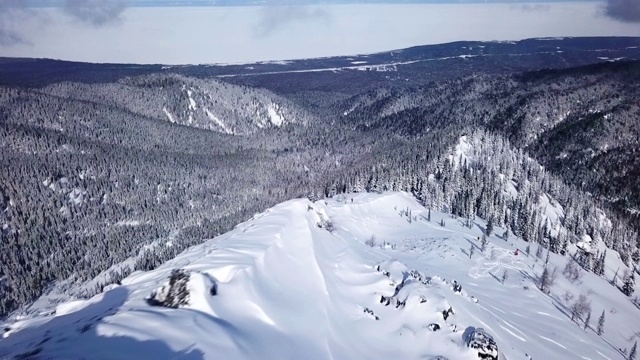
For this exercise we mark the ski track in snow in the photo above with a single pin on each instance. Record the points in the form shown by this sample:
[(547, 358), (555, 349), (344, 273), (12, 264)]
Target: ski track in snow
[(553, 341), (504, 260), (512, 333)]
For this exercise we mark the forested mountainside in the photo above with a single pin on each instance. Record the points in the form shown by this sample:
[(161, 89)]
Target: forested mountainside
[(107, 178), (580, 123)]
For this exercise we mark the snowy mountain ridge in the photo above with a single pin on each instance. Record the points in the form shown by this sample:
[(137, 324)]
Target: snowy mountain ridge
[(357, 276), (210, 105)]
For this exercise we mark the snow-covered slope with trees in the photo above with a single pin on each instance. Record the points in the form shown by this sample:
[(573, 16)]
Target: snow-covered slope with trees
[(373, 276), (211, 104)]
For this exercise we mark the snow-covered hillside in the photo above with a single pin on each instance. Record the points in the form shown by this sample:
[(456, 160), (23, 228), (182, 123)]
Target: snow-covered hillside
[(204, 104), (362, 276)]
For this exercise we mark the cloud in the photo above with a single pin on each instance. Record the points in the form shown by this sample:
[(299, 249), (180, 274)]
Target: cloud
[(534, 7), (96, 12), (11, 11), (276, 17), (623, 10)]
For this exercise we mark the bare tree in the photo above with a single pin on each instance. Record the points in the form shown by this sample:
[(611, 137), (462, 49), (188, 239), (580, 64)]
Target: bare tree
[(572, 271), (580, 307), (547, 280)]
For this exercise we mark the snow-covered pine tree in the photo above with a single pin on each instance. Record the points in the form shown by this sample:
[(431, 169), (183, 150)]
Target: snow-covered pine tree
[(489, 228), (633, 352), (587, 320), (600, 329), (628, 284), (546, 260)]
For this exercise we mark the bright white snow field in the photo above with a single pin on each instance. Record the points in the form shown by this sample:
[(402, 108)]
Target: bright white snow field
[(287, 288)]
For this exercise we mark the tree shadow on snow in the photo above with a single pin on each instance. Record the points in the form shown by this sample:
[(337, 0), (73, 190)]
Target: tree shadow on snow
[(474, 242), (495, 277), (74, 335)]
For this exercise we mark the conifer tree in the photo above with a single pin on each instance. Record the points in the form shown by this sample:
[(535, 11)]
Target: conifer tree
[(547, 280), (489, 228), (628, 284), (600, 330), (587, 320)]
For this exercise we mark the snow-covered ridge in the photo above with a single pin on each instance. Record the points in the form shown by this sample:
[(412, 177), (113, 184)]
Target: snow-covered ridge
[(206, 104), (358, 276)]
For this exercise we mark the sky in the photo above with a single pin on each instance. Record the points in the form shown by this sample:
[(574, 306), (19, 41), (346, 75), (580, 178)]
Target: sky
[(144, 31)]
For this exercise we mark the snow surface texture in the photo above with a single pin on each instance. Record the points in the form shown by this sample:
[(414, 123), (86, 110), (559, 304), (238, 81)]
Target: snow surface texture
[(354, 277)]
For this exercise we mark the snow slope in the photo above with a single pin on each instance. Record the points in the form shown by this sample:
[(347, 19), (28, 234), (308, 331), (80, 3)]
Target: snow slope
[(289, 288)]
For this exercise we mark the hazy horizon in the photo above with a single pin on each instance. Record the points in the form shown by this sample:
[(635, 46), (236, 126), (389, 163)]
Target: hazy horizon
[(119, 33)]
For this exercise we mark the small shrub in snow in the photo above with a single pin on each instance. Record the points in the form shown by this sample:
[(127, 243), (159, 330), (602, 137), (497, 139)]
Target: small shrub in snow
[(457, 288), (418, 276), (434, 327), (371, 242), (174, 294), (325, 223), (370, 312), (447, 313)]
